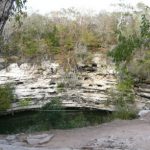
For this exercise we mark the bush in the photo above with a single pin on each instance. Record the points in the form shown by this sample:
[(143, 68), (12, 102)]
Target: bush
[(61, 85), (78, 121), (125, 113), (139, 66), (125, 48), (6, 97), (123, 99), (25, 102)]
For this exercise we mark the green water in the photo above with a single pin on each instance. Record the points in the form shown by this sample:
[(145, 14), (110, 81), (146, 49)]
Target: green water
[(32, 121)]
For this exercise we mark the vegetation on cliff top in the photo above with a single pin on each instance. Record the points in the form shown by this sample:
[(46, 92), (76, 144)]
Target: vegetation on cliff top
[(68, 33)]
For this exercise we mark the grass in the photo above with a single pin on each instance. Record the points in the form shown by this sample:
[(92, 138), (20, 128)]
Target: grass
[(125, 113)]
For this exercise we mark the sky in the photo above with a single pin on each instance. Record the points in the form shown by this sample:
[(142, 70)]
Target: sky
[(46, 6)]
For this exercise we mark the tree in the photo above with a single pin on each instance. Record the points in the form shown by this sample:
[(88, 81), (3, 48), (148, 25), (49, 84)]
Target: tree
[(8, 7)]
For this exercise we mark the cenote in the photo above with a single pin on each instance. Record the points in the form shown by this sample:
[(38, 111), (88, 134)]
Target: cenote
[(39, 120)]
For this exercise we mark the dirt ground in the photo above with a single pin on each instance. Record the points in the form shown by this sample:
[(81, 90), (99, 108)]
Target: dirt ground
[(123, 135), (116, 135)]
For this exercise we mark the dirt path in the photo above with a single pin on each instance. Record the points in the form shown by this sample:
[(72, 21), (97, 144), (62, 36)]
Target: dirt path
[(117, 135)]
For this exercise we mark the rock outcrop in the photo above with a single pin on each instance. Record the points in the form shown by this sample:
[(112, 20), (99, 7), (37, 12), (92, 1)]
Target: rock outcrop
[(39, 139), (38, 84), (35, 85), (142, 91)]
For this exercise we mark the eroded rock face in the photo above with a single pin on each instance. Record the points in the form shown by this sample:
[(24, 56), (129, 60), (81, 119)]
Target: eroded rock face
[(39, 84), (142, 91)]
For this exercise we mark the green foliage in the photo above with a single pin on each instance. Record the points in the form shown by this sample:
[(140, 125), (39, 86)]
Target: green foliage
[(31, 48), (125, 55), (128, 44), (124, 108), (125, 47), (60, 86), (53, 113), (55, 116), (17, 9), (139, 65), (20, 4), (52, 40), (40, 36), (124, 99), (125, 85), (79, 121), (32, 121), (125, 113), (24, 102), (89, 38), (145, 27), (6, 97)]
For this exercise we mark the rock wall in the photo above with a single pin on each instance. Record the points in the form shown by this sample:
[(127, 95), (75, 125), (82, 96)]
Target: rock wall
[(39, 84), (142, 91)]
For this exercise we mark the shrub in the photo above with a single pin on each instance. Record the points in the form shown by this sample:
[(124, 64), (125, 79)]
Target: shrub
[(61, 85), (125, 113), (139, 66), (6, 97), (78, 121), (24, 102), (123, 99), (125, 48)]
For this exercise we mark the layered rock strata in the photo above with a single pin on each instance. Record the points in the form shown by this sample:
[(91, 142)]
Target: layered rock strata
[(35, 85), (39, 84)]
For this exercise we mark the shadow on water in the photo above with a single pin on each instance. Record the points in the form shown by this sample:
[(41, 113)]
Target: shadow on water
[(36, 120)]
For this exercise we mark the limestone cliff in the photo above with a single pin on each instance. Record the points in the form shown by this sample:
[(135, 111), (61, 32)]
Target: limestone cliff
[(89, 88)]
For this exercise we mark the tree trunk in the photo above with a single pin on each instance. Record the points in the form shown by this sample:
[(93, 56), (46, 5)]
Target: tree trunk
[(5, 9)]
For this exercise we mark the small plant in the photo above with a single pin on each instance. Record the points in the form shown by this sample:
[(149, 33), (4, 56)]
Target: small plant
[(6, 97), (24, 102), (61, 85), (125, 113), (125, 85)]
